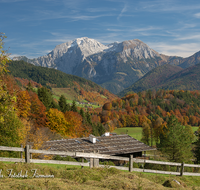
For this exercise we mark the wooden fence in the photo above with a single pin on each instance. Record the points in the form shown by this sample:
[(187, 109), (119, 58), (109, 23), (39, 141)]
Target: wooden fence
[(94, 160)]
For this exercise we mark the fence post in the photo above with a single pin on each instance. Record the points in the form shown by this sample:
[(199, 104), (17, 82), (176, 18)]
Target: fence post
[(131, 163), (182, 169), (27, 154), (30, 146), (96, 162), (91, 162), (22, 151), (82, 159)]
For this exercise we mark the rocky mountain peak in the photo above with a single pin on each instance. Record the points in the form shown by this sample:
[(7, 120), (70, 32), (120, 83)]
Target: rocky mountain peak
[(88, 58), (138, 49)]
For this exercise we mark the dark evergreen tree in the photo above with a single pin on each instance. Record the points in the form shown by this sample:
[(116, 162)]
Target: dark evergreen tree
[(88, 118), (100, 128), (63, 104), (197, 150), (45, 97), (74, 107), (29, 86), (140, 101), (176, 141), (82, 113), (54, 104)]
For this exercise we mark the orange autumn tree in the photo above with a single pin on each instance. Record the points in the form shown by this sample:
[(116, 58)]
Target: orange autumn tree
[(23, 104), (37, 112), (76, 129)]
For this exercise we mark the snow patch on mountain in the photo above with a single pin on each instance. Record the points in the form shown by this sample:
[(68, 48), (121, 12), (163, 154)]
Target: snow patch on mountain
[(88, 56)]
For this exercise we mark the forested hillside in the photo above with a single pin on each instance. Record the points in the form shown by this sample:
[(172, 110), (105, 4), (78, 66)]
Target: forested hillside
[(168, 77), (152, 79), (47, 77), (133, 109), (32, 115), (61, 83)]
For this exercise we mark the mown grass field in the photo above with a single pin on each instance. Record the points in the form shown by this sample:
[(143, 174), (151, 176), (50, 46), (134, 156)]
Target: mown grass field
[(75, 178), (77, 104), (136, 132)]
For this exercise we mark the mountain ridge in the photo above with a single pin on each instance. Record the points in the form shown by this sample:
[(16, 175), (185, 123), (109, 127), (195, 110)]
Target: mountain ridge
[(115, 66), (77, 87), (167, 77)]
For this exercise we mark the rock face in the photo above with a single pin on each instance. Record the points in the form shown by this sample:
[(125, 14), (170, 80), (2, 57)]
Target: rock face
[(114, 66), (67, 55)]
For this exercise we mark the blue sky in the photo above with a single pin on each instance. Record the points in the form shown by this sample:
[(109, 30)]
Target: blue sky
[(35, 27)]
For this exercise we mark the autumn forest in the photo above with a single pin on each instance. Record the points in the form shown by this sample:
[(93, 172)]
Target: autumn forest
[(30, 113)]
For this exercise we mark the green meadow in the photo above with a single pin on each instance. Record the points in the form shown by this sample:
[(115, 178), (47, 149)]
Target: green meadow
[(136, 132)]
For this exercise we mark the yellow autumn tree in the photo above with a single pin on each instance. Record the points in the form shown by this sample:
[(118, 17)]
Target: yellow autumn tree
[(37, 138), (158, 128), (146, 133), (6, 100), (9, 122), (57, 122), (34, 136)]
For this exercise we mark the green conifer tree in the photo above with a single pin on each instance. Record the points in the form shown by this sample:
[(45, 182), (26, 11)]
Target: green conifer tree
[(62, 103), (176, 141), (74, 107), (197, 150)]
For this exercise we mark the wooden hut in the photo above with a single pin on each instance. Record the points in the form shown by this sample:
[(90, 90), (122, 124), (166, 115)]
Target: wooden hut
[(118, 145)]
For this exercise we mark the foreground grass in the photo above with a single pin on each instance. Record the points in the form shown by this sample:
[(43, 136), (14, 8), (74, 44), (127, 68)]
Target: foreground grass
[(97, 178)]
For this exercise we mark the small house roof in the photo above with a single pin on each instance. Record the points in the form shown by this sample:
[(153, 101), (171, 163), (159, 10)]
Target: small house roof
[(111, 145)]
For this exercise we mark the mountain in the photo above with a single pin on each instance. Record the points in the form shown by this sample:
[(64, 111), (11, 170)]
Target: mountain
[(67, 55), (187, 79), (73, 87), (190, 61), (114, 66), (168, 77), (153, 78)]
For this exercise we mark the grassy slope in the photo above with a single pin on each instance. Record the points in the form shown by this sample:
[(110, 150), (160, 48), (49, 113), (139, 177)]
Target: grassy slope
[(84, 179)]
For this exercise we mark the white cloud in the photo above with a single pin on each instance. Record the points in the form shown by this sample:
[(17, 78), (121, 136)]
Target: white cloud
[(41, 15), (122, 11), (183, 50), (189, 37), (10, 1), (197, 15), (146, 29), (100, 9), (168, 6), (13, 55)]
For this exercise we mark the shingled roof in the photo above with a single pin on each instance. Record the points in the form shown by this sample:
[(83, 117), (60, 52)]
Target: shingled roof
[(112, 145)]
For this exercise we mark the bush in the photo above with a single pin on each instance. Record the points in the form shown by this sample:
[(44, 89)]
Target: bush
[(68, 158), (110, 163)]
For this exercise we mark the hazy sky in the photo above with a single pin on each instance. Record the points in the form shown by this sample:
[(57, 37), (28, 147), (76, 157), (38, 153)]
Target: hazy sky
[(35, 27)]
